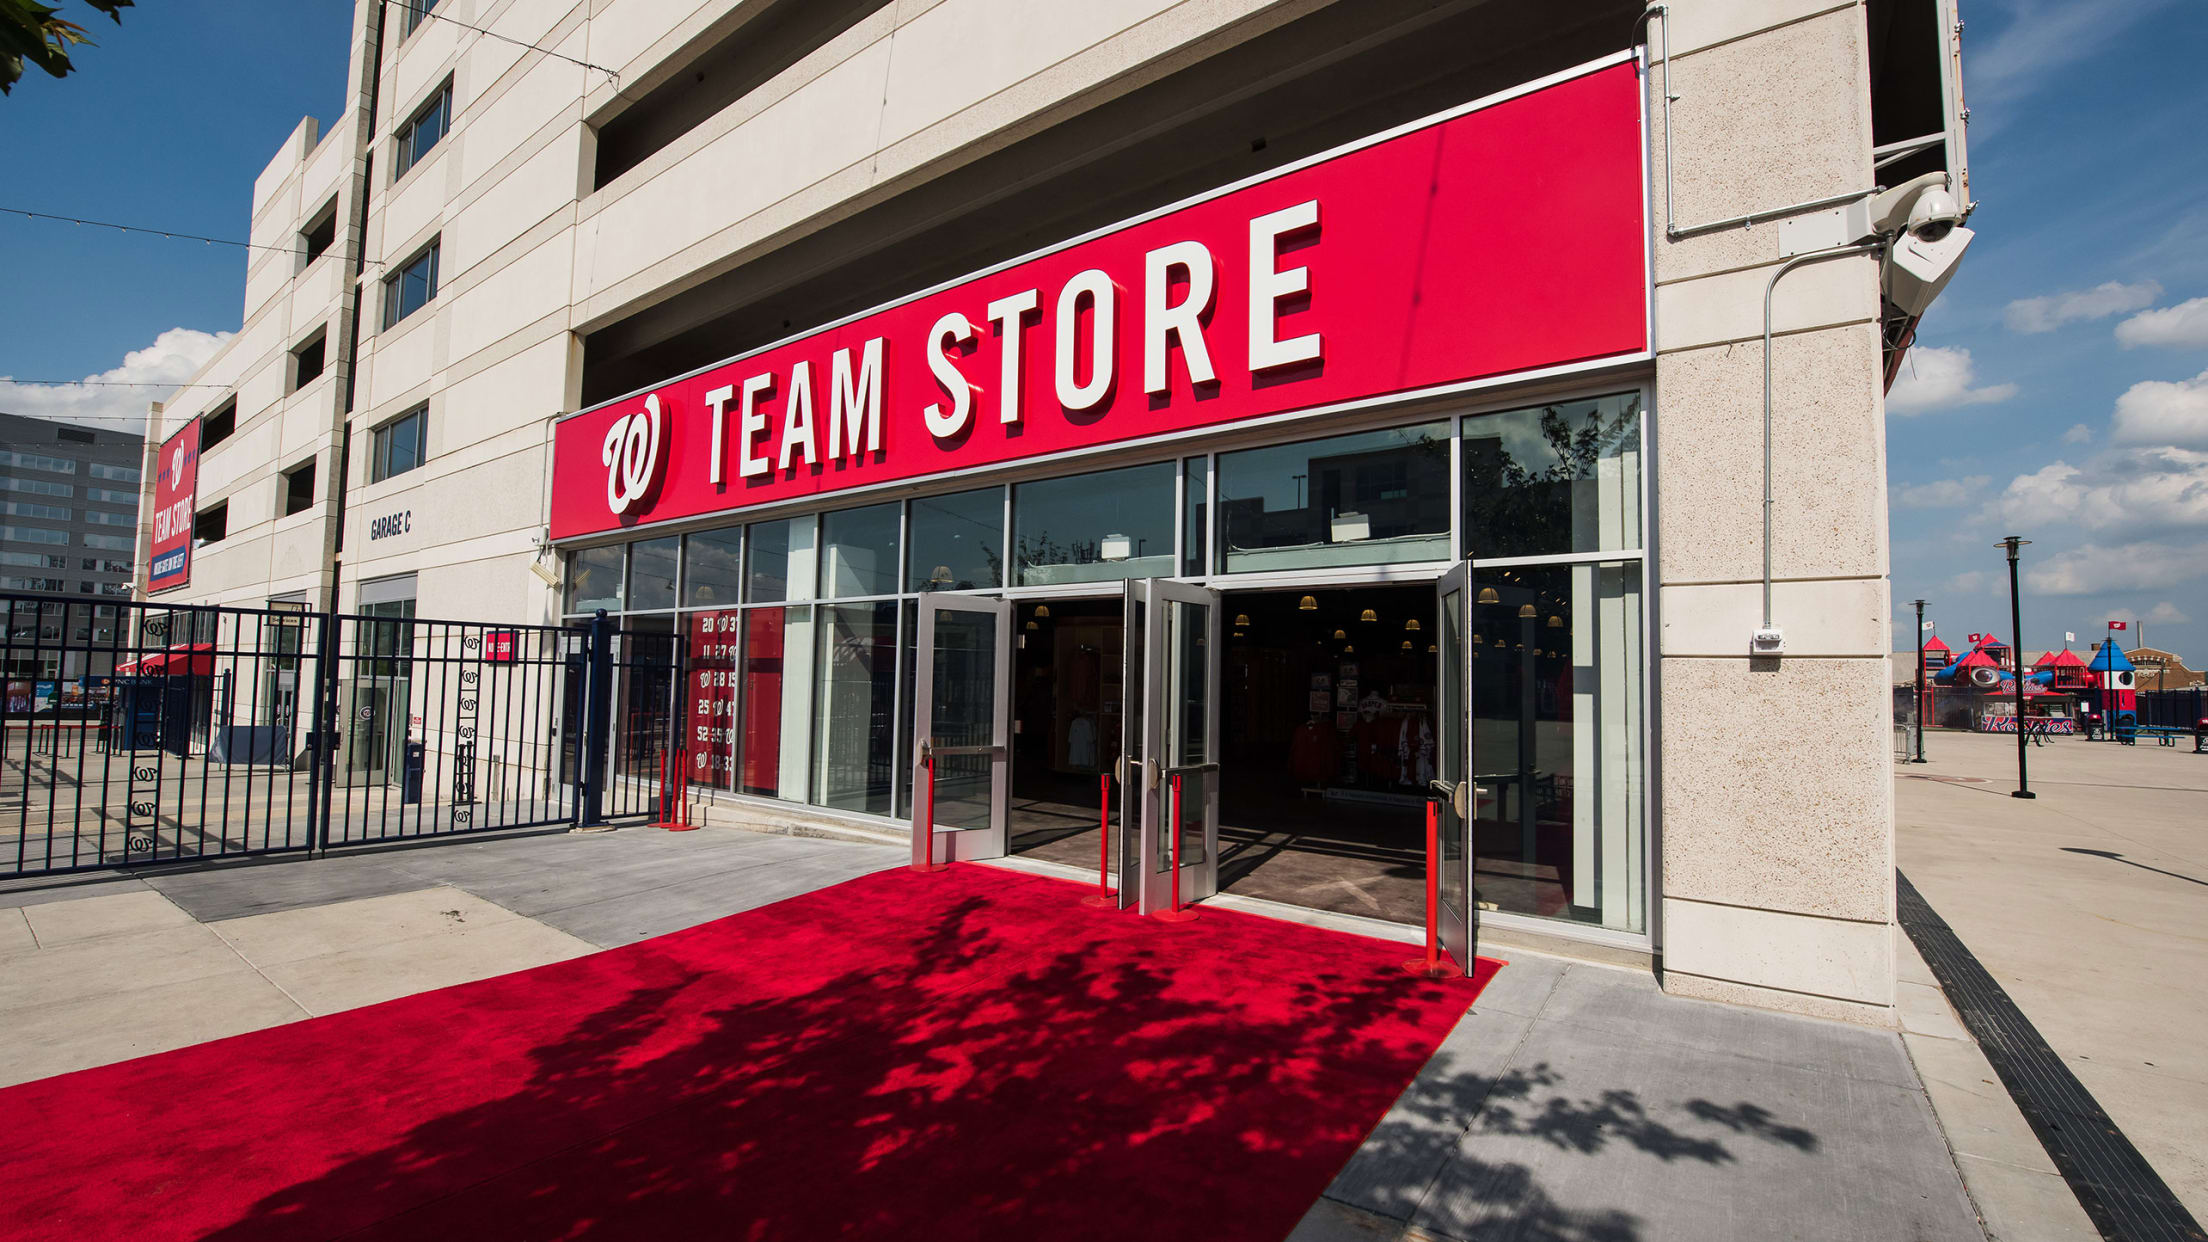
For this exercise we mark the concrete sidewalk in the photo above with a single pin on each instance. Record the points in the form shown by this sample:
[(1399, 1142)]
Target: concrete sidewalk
[(1575, 1101), (2089, 906)]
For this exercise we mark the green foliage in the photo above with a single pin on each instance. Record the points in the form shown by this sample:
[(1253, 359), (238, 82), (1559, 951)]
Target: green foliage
[(29, 31)]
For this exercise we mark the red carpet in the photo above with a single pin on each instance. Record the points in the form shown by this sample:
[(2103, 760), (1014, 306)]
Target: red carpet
[(971, 1054)]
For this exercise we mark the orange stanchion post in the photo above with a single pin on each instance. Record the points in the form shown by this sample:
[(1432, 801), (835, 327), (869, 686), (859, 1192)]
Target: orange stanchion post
[(1176, 912), (1103, 895), (1432, 966)]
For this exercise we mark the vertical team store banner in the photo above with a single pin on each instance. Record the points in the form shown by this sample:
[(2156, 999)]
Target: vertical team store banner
[(1502, 238), (175, 494)]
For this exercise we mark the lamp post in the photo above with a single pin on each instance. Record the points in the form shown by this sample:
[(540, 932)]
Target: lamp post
[(2016, 652), (1920, 683)]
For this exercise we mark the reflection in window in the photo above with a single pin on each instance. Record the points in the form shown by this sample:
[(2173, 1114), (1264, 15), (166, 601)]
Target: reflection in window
[(712, 574), (594, 579), (780, 560), (955, 543), (777, 678), (1195, 531), (859, 552), (1554, 479), (652, 573), (1373, 498), (1095, 527), (1556, 707), (856, 707)]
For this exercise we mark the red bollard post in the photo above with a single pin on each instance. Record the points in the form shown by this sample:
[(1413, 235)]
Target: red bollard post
[(927, 827), (1103, 896), (1176, 913), (1432, 967), (679, 820)]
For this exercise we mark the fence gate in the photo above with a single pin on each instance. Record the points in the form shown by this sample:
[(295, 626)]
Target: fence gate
[(140, 732)]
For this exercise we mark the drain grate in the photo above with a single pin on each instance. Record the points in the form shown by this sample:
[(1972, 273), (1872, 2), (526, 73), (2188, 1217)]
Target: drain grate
[(2127, 1199)]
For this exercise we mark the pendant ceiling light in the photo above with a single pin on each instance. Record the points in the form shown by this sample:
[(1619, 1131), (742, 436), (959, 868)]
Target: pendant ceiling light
[(1556, 623), (1241, 618), (1411, 625), (1042, 610), (1488, 596), (1307, 604), (1525, 611), (1339, 635), (1406, 644), (1369, 615), (1350, 649)]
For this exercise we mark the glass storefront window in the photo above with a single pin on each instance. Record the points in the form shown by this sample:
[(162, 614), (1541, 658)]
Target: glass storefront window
[(1556, 740), (859, 552), (712, 571), (652, 573), (776, 704), (955, 543), (1554, 479), (594, 579), (1095, 527), (855, 707), (1194, 536), (709, 727), (779, 561), (1372, 498)]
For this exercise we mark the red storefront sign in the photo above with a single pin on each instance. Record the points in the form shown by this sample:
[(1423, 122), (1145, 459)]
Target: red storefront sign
[(1503, 238), (175, 495)]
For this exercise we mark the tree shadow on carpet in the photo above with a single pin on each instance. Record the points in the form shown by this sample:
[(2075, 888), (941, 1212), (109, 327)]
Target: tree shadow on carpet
[(971, 1085)]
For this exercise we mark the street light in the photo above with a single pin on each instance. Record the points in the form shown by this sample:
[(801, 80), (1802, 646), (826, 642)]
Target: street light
[(2016, 652), (1920, 683)]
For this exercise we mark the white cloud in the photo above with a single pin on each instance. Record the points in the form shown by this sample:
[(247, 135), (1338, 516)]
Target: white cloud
[(1934, 378), (1940, 493), (2164, 412), (2051, 311), (1968, 581), (2166, 613), (2078, 434), (2135, 491), (2090, 568), (2183, 326), (107, 400)]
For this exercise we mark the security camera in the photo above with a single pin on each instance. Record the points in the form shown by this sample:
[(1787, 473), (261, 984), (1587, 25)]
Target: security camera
[(1922, 222)]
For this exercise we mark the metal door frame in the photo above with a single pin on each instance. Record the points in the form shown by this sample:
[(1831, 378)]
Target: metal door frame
[(1459, 800), (963, 844), (1199, 879)]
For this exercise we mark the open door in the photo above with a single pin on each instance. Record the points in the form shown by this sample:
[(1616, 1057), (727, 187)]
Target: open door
[(1453, 789), (962, 727), (1131, 794), (1178, 850)]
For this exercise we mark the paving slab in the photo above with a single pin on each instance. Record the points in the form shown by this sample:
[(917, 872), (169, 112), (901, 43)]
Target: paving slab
[(215, 894), (61, 1035), (2024, 1205), (76, 969), (385, 970), (347, 927), (15, 932), (38, 890), (92, 918)]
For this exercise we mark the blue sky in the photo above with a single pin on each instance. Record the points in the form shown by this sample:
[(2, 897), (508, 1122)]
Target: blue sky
[(2059, 389)]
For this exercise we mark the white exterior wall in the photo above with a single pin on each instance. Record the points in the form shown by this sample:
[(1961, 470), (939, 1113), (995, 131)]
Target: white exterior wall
[(1774, 826)]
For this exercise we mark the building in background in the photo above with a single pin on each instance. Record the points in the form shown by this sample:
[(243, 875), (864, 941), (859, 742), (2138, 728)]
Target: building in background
[(68, 526), (1532, 374)]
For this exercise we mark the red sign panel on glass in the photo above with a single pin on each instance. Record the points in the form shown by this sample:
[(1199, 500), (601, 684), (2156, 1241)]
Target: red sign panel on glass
[(175, 493), (1504, 239)]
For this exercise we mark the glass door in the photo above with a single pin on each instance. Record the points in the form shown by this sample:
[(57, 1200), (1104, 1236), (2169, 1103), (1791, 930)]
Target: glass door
[(1454, 792), (962, 723), (1131, 788), (1179, 846)]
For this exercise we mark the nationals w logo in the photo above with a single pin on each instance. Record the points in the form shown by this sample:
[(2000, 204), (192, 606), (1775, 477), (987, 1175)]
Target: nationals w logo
[(631, 455)]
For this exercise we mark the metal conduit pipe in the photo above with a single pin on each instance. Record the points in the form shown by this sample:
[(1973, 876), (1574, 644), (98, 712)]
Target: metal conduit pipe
[(1672, 229), (1800, 260)]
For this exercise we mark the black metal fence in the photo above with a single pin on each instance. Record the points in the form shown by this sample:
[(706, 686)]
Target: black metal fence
[(2173, 709), (141, 732)]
